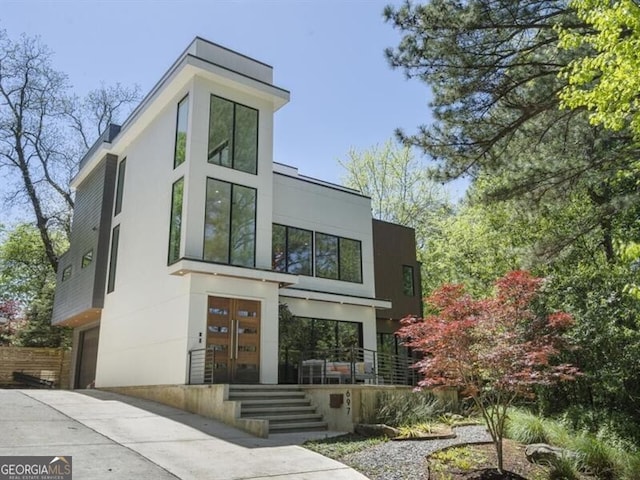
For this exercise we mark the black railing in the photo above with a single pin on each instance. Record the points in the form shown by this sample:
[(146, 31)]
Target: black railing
[(346, 365), (355, 365)]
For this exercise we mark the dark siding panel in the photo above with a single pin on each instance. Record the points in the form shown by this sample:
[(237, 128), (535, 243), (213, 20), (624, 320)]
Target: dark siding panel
[(82, 291), (105, 231), (395, 246)]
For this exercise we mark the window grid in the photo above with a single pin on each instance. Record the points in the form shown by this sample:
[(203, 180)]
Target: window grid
[(232, 143), (287, 265), (338, 271), (233, 228)]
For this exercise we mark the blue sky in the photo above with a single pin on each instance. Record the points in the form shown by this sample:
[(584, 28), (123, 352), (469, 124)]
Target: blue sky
[(328, 54)]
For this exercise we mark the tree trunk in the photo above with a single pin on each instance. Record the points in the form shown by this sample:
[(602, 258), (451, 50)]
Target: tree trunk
[(41, 219)]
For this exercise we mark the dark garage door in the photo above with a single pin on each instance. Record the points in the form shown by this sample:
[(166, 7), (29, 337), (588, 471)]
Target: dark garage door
[(87, 357)]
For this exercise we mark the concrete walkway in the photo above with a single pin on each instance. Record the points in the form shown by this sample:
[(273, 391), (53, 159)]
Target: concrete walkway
[(113, 436)]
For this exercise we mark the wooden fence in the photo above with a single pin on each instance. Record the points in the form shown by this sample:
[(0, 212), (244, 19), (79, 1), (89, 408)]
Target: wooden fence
[(46, 363)]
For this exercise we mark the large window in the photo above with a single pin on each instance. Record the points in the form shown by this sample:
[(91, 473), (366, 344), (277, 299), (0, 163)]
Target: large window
[(303, 338), (120, 187), (182, 119), (292, 250), (233, 135), (175, 223), (113, 258), (230, 224), (338, 258)]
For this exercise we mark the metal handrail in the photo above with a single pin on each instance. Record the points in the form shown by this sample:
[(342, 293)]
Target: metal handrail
[(362, 365), (202, 365)]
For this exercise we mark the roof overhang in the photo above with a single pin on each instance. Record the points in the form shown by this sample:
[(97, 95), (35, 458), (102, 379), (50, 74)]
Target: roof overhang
[(186, 267), (174, 80), (376, 303)]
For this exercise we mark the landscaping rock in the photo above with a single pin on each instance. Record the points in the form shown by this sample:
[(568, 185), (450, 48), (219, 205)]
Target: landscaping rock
[(544, 454), (375, 430)]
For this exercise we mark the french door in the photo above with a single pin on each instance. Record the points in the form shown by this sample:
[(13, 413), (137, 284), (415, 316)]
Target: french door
[(233, 338)]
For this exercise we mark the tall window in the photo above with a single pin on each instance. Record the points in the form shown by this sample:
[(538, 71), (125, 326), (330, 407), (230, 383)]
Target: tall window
[(230, 224), (176, 220), (233, 135), (113, 258), (407, 281), (120, 186), (338, 258), (179, 154), (292, 250)]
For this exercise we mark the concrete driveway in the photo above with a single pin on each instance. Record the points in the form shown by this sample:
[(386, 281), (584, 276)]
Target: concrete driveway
[(112, 436)]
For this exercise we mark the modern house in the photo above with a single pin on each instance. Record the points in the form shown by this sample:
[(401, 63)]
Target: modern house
[(187, 237)]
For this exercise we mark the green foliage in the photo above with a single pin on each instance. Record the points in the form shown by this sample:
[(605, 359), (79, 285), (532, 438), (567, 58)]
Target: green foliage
[(473, 247), (605, 78), (404, 408), (606, 336), (401, 191), (417, 430), (564, 468), (37, 330), (601, 452), (526, 427), (27, 279), (460, 458), (597, 455), (340, 446)]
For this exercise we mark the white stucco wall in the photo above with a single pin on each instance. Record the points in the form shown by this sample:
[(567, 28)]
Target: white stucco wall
[(319, 208), (143, 331)]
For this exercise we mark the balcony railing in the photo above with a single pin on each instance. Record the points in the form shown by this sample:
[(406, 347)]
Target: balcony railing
[(350, 365)]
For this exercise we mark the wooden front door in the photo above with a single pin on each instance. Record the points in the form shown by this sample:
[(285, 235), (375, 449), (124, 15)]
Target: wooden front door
[(233, 337)]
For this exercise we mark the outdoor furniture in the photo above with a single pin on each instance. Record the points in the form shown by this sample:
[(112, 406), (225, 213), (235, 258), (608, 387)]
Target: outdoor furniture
[(323, 371)]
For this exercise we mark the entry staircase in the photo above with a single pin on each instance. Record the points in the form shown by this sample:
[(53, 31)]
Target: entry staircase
[(286, 407)]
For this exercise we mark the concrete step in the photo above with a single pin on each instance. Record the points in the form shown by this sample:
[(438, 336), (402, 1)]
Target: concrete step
[(239, 387), (286, 407), (293, 418), (250, 395), (276, 402), (296, 427), (276, 410)]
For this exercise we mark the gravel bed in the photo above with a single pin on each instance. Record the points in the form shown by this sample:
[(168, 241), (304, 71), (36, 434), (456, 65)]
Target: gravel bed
[(405, 460)]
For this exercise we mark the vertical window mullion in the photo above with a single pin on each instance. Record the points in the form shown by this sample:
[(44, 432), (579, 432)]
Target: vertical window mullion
[(339, 262), (233, 137), (230, 229), (286, 249)]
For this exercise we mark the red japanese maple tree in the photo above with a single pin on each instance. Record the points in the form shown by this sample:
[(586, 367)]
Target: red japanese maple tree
[(493, 349)]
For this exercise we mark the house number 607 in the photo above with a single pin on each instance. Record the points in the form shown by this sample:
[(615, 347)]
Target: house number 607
[(348, 395)]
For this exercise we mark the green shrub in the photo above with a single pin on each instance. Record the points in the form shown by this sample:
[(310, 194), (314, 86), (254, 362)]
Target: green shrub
[(597, 456), (400, 408), (563, 469), (525, 427)]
